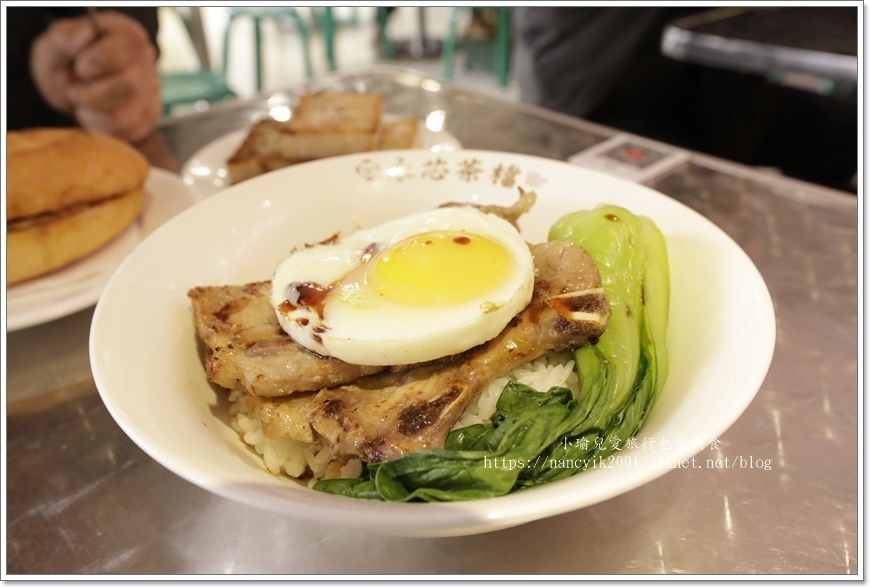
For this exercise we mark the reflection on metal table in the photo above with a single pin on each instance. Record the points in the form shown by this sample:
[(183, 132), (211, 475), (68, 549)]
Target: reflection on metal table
[(82, 498)]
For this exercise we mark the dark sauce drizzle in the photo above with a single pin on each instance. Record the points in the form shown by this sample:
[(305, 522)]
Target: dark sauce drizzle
[(306, 294)]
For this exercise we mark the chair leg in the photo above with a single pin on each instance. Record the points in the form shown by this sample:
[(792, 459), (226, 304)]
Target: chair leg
[(306, 53), (258, 44), (387, 48), (306, 39), (226, 52), (448, 50), (328, 27), (185, 20), (503, 45)]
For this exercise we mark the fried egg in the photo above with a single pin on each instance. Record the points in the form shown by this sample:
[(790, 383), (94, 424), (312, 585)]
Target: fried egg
[(410, 290)]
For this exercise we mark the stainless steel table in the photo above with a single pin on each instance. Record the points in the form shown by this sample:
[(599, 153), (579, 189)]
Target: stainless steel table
[(82, 498)]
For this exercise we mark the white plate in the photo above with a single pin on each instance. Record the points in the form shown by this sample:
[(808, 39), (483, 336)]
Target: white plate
[(79, 285), (721, 334), (206, 171)]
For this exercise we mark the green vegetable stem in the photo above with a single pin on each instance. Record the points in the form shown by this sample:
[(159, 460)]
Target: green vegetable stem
[(538, 437), (622, 374)]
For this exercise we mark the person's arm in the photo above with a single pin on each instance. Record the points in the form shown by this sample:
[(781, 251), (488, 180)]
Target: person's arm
[(109, 84)]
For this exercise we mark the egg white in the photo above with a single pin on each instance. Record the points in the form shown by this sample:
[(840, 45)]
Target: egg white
[(366, 330)]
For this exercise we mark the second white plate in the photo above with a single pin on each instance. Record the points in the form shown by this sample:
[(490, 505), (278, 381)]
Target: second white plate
[(79, 285), (206, 171)]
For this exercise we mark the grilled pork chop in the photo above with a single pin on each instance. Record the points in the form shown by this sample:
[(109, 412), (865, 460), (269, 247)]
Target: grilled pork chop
[(247, 345), (387, 415), (238, 324)]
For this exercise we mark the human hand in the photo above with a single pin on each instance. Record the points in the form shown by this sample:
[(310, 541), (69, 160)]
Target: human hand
[(109, 84)]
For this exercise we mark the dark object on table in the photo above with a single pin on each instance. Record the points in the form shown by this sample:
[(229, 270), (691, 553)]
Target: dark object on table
[(606, 65), (801, 67), (814, 49), (825, 29)]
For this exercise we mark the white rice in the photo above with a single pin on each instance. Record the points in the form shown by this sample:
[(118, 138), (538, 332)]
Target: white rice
[(298, 459), (556, 369)]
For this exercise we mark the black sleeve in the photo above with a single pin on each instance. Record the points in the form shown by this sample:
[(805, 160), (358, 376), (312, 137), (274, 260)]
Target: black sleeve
[(147, 17), (24, 105)]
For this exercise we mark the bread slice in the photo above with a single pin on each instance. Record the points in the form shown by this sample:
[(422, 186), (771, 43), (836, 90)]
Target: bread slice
[(323, 125), (69, 192), (259, 152), (41, 244), (338, 112), (240, 169), (399, 134), (49, 169)]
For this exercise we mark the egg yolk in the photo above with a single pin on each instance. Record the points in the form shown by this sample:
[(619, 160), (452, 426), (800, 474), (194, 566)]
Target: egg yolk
[(439, 268)]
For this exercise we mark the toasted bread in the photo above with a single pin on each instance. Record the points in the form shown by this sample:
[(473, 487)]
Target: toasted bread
[(399, 134), (340, 112), (323, 125), (326, 124), (49, 169), (45, 243), (260, 152), (69, 192), (271, 138), (242, 168)]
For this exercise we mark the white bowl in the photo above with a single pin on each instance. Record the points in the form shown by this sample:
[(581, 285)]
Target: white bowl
[(147, 367)]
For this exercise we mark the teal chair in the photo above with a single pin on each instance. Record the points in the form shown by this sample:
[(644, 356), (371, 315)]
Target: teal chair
[(353, 21), (189, 88), (388, 50), (501, 50), (324, 19), (178, 89), (258, 15)]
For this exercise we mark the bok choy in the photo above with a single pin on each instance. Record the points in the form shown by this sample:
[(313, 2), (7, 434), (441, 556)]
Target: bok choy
[(537, 437)]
